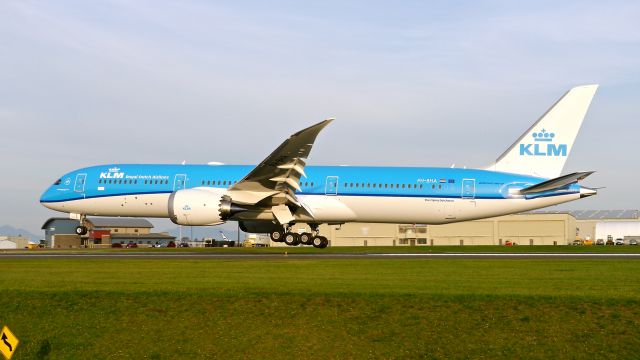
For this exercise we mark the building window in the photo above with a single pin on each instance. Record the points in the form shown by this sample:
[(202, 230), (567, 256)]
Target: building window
[(135, 230), (422, 241), (403, 241), (115, 230)]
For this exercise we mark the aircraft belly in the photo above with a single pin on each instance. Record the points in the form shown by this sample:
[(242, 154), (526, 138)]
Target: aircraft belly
[(417, 210), (151, 205)]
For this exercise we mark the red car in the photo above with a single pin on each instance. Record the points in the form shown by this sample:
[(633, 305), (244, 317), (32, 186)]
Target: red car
[(131, 244)]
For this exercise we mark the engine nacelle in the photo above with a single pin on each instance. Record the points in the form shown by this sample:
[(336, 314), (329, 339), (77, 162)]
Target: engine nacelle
[(198, 206)]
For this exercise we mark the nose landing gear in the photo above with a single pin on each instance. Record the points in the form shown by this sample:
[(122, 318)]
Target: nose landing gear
[(82, 229)]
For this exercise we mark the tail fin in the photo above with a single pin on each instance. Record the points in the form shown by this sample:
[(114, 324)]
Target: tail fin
[(543, 149)]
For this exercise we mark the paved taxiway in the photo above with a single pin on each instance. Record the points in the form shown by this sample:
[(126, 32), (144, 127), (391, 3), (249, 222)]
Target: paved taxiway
[(214, 256)]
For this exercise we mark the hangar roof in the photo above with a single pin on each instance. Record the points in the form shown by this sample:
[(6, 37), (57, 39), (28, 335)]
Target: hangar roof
[(596, 214)]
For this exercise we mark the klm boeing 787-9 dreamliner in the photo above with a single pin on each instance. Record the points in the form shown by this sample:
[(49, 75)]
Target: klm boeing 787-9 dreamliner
[(282, 190)]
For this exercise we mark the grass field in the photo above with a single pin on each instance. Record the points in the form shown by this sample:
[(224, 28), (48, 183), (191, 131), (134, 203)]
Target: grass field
[(321, 308), (367, 249)]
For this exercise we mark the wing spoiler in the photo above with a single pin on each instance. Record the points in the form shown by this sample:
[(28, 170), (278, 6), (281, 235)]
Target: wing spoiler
[(556, 183)]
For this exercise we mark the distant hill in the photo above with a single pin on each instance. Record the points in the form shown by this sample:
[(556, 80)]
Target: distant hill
[(7, 230)]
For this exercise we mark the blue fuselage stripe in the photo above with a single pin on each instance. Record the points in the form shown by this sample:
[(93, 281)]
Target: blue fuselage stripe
[(395, 182)]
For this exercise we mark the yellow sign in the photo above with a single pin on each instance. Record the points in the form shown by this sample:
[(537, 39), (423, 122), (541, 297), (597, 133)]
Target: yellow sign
[(8, 343)]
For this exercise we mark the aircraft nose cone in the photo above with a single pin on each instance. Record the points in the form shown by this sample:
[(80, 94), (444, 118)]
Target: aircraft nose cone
[(585, 192)]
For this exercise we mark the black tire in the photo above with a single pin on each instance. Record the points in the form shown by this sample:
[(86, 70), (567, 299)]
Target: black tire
[(325, 242), (305, 238), (291, 239), (277, 236), (316, 241), (81, 230)]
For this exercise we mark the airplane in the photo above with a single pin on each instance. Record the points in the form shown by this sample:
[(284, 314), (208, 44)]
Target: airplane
[(282, 190)]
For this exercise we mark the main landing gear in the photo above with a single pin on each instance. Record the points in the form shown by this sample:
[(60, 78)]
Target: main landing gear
[(293, 239)]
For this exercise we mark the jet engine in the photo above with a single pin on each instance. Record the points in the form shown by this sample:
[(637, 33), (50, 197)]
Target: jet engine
[(201, 207)]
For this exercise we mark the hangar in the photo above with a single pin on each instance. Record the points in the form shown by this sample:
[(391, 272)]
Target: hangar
[(103, 232), (13, 242), (521, 229), (605, 224)]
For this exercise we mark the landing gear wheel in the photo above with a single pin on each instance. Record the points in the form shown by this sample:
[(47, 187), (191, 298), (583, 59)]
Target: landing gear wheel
[(277, 236), (291, 239), (319, 242), (305, 238), (81, 230)]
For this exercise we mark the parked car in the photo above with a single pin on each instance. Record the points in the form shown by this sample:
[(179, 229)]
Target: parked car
[(576, 242), (610, 242), (633, 242), (171, 244), (116, 245), (183, 244), (587, 242), (599, 242), (619, 241), (131, 244)]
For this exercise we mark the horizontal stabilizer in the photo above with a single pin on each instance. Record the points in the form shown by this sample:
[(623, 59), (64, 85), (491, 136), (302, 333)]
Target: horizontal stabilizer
[(556, 183)]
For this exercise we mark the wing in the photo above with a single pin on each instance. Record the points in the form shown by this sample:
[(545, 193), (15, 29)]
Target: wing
[(277, 176)]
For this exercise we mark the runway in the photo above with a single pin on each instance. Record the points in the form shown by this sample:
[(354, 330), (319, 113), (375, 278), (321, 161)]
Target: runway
[(317, 256)]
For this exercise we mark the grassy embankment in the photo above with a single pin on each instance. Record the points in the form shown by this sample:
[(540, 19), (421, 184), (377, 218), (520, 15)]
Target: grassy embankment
[(378, 308)]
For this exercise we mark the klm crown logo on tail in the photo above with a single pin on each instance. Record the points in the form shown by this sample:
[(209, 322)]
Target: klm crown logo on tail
[(543, 145)]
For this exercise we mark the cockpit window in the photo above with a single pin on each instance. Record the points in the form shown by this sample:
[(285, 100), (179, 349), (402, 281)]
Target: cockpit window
[(58, 182)]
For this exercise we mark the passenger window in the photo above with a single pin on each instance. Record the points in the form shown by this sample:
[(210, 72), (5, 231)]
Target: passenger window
[(439, 187), (135, 181), (397, 186), (433, 186), (420, 186), (368, 185), (356, 184), (403, 186), (312, 184), (374, 186)]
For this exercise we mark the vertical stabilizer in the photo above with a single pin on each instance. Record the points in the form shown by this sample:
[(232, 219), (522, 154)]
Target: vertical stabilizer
[(544, 148)]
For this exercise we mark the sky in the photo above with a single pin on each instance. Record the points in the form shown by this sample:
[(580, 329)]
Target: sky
[(411, 83)]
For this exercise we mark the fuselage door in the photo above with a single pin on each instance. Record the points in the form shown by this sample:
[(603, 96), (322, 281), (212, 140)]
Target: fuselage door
[(468, 188), (179, 182), (81, 179), (331, 187)]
